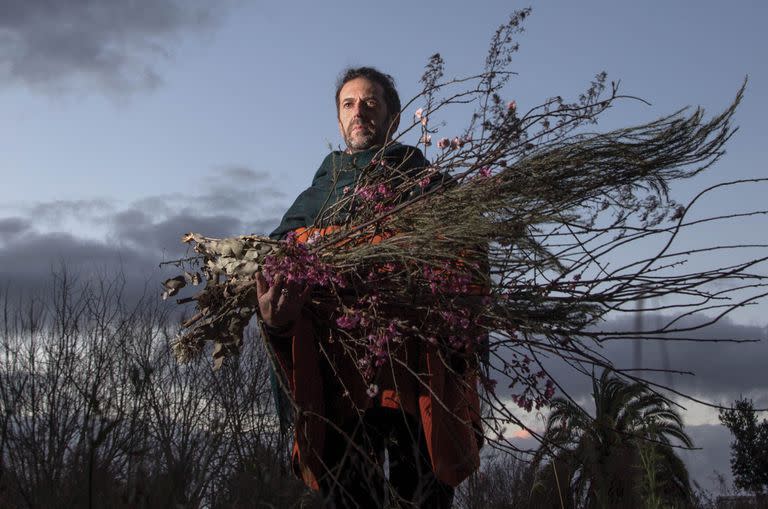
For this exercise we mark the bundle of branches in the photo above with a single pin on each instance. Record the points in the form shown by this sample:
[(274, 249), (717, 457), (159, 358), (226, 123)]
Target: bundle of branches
[(501, 247)]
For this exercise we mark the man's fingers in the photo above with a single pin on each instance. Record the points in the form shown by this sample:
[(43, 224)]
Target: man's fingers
[(261, 284), (277, 290)]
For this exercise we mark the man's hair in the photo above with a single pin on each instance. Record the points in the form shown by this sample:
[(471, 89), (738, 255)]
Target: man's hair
[(386, 81)]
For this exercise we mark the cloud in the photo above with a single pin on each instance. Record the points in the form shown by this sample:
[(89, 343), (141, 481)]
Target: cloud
[(711, 457), (12, 226), (140, 231), (97, 237), (722, 371), (242, 173), (113, 44), (232, 189), (27, 264), (55, 213), (237, 200), (235, 188)]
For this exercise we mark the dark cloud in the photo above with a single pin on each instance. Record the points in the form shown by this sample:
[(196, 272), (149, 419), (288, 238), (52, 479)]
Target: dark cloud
[(28, 264), (237, 200), (111, 43), (722, 371), (131, 239), (137, 230), (12, 226)]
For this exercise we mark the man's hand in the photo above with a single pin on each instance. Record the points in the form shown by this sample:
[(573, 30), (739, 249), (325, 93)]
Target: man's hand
[(280, 304)]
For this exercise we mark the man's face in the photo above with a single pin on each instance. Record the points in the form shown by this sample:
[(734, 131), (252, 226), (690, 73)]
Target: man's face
[(363, 116)]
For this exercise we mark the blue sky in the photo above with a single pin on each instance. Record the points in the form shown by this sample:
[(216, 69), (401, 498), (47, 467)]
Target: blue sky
[(125, 125)]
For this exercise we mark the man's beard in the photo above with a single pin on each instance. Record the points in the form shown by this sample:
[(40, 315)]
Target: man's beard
[(362, 139)]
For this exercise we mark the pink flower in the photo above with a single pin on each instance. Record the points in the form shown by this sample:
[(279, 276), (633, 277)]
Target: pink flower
[(456, 143), (313, 238), (372, 391), (346, 190), (384, 191), (423, 183), (485, 172), (443, 143), (549, 390), (366, 192), (511, 106), (348, 321), (420, 116), (298, 264), (426, 139)]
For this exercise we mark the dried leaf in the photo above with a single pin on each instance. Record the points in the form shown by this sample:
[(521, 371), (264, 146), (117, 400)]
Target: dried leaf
[(193, 278), (173, 285)]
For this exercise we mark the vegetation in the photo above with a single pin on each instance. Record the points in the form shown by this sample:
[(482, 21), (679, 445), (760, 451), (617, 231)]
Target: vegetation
[(96, 412), (749, 449), (623, 456)]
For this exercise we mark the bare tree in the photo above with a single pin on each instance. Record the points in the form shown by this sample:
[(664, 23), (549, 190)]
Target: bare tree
[(95, 412)]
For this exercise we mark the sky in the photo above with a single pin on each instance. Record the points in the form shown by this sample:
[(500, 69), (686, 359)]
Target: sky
[(124, 125)]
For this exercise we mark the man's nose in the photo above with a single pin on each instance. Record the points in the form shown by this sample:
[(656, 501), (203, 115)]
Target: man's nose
[(360, 109)]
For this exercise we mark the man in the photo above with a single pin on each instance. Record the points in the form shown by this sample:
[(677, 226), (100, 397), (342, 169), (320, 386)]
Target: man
[(422, 410)]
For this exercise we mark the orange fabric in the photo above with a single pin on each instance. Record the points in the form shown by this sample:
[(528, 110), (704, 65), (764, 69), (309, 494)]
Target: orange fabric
[(303, 234), (446, 403)]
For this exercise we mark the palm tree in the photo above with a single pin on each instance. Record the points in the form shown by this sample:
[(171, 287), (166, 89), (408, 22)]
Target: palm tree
[(621, 457)]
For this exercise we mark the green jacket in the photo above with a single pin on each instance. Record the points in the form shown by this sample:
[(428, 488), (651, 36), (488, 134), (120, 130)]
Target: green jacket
[(338, 171)]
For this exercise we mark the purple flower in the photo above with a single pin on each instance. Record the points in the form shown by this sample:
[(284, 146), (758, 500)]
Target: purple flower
[(383, 191), (348, 321), (549, 390), (366, 193)]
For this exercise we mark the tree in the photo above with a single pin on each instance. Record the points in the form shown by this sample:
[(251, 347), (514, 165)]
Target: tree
[(503, 482), (749, 450), (95, 412), (605, 460)]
